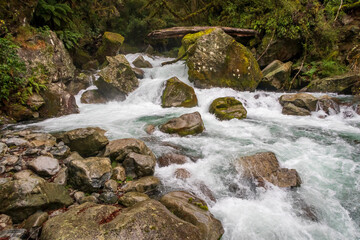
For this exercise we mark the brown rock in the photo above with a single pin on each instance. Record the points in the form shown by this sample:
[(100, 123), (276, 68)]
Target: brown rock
[(92, 96), (182, 173), (140, 62), (143, 185), (172, 158), (131, 198), (187, 124)]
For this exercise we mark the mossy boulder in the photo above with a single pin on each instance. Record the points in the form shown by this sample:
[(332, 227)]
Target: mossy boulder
[(117, 79), (227, 108), (28, 193), (110, 46), (19, 112), (190, 39), (217, 60), (187, 124), (342, 84), (178, 94)]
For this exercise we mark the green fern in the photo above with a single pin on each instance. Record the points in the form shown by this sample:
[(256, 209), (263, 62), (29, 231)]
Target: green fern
[(53, 14)]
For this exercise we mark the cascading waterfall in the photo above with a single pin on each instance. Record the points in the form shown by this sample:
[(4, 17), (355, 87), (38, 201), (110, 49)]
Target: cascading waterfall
[(324, 151)]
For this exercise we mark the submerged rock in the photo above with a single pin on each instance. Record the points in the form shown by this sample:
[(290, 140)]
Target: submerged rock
[(178, 94), (227, 108), (217, 60), (300, 104), (140, 62), (182, 173), (139, 73), (264, 167), (86, 141), (172, 158), (194, 210), (187, 124), (117, 80)]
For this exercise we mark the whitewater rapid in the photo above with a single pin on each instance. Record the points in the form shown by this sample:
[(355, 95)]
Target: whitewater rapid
[(324, 151)]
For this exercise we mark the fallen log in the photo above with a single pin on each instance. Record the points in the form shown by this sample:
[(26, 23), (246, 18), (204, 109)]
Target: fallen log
[(179, 32)]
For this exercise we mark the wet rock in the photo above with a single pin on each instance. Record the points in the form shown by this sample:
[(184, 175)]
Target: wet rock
[(328, 104), (89, 174), (27, 193), (86, 141), (276, 75), (61, 177), (119, 173), (131, 198), (187, 124), (298, 104), (172, 158), (339, 84), (79, 82), (110, 46), (206, 191), (140, 62), (217, 60), (111, 185), (182, 173), (13, 234), (117, 150), (36, 220), (117, 80), (194, 210), (35, 101), (139, 73), (178, 94), (146, 220), (227, 108), (5, 222), (143, 185), (108, 198), (150, 129), (92, 97), (139, 165), (264, 167), (44, 166)]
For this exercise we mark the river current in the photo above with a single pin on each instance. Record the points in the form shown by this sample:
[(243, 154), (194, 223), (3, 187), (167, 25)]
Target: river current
[(324, 151)]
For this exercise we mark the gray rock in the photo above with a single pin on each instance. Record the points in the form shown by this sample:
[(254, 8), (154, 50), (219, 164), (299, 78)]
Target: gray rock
[(45, 166), (301, 104), (60, 151), (108, 197), (61, 177), (140, 62), (36, 220), (276, 75), (10, 160), (17, 142), (187, 124), (111, 185), (143, 185), (131, 198), (3, 148), (139, 73), (13, 234), (92, 97), (139, 165), (89, 174)]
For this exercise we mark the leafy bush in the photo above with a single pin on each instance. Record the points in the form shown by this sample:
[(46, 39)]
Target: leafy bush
[(53, 14), (12, 69), (69, 38)]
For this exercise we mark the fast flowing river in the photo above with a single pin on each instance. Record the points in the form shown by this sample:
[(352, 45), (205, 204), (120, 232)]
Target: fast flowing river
[(324, 151)]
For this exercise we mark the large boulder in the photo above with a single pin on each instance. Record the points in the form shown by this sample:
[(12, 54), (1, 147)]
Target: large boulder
[(89, 174), (339, 84), (276, 76), (217, 60), (264, 167), (27, 193), (86, 141), (140, 62), (117, 79), (187, 124), (194, 210), (19, 112), (110, 46), (300, 104), (92, 96), (227, 108), (146, 220), (118, 149), (178, 94)]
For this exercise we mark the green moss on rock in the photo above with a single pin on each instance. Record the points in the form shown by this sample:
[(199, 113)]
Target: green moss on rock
[(227, 108), (111, 43), (178, 94)]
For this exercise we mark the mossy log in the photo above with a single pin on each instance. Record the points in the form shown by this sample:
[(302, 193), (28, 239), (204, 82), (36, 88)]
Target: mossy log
[(179, 32)]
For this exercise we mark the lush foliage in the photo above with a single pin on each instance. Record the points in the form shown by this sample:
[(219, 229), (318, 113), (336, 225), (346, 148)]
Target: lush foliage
[(69, 38), (53, 13), (11, 69)]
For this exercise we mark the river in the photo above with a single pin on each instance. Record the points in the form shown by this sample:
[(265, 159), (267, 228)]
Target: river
[(324, 151)]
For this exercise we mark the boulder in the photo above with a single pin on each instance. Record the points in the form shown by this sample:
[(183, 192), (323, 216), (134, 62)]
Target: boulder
[(195, 211), (227, 108), (143, 185), (139, 73), (139, 165), (86, 141), (342, 84), (145, 220), (217, 60), (19, 112), (27, 193), (187, 124), (178, 94), (328, 104), (89, 174), (276, 76), (35, 101), (131, 198), (79, 82), (298, 104), (172, 158), (58, 102), (36, 220), (140, 62), (118, 149), (110, 46), (264, 167), (117, 79), (92, 96), (44, 166)]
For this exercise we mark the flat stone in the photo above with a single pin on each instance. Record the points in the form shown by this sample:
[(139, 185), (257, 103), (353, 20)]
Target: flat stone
[(143, 185), (45, 166), (131, 198)]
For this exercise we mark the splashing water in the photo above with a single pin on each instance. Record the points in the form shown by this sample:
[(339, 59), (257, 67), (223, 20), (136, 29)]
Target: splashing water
[(325, 152)]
